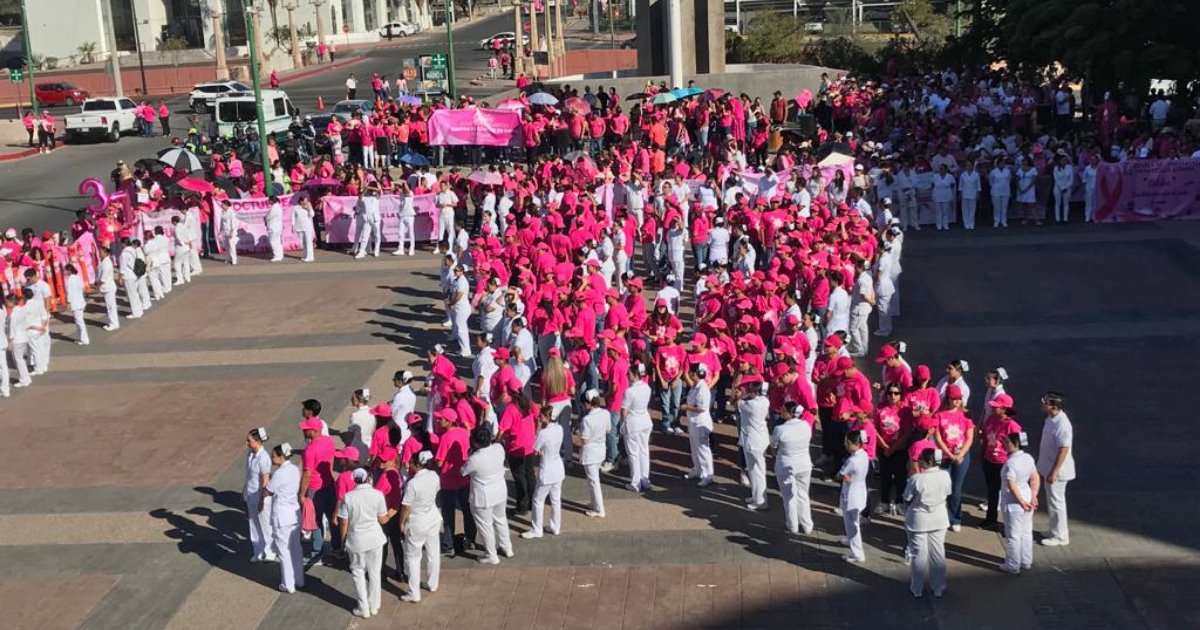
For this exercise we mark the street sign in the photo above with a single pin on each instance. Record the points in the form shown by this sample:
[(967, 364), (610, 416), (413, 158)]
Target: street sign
[(433, 73), (437, 60), (15, 75)]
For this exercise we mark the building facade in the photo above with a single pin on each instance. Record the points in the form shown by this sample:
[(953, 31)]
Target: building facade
[(58, 28)]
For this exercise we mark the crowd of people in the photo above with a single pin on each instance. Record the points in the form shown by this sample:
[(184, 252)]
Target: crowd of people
[(749, 302)]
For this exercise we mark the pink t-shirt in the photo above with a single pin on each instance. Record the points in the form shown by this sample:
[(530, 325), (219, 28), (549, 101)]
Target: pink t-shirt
[(518, 431), (953, 427), (318, 457), (995, 432), (345, 483), (452, 453)]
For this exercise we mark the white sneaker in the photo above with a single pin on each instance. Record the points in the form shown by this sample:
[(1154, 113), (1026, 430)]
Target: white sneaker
[(398, 252), (705, 482), (853, 560), (111, 328), (83, 342), (489, 560), (410, 598), (1054, 542), (436, 252), (507, 553), (529, 535), (632, 487), (365, 614), (745, 480), (359, 256), (606, 467), (594, 514), (956, 527)]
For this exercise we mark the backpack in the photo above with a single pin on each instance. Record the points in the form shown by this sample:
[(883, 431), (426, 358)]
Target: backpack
[(139, 267)]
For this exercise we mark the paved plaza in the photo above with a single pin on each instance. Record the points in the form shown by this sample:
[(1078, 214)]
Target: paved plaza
[(120, 473)]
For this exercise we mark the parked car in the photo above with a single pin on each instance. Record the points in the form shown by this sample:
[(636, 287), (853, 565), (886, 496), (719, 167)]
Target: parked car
[(506, 38), (55, 94), (102, 117), (204, 95), (346, 109), (399, 29)]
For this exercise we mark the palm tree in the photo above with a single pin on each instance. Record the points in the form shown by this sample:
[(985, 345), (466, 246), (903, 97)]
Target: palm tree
[(87, 52)]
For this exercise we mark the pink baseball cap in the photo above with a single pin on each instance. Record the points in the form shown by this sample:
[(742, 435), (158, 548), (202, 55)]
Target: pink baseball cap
[(502, 354), (954, 392), (350, 452), (382, 410), (311, 424), (843, 364), (1003, 400), (886, 353), (922, 373)]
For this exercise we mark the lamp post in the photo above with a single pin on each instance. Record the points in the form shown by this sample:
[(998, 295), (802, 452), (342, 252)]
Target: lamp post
[(28, 57), (318, 5), (450, 50), (251, 40)]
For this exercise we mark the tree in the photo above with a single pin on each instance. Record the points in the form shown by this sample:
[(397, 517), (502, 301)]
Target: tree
[(87, 52)]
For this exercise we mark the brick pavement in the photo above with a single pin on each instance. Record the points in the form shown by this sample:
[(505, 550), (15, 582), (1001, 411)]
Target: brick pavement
[(119, 477)]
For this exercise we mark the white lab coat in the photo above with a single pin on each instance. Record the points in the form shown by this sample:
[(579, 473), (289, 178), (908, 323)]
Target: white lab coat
[(793, 471), (489, 497), (635, 408)]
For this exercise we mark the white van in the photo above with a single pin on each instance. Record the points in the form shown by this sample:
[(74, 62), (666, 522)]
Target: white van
[(238, 107)]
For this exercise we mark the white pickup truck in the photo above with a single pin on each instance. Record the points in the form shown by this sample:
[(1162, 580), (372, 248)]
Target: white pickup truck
[(107, 117)]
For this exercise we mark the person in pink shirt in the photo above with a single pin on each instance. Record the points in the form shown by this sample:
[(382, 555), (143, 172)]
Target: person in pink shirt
[(391, 485), (996, 429), (516, 431), (453, 448), (316, 481), (670, 361), (955, 435), (892, 431)]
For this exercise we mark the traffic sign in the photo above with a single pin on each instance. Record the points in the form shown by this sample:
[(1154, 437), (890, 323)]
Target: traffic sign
[(437, 60), (434, 73), (15, 75)]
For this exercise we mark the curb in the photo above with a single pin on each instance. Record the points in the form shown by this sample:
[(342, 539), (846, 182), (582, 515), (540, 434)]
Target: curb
[(315, 70), (19, 155)]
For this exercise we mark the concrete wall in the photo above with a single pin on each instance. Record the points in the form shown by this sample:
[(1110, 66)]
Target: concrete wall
[(58, 27), (703, 23)]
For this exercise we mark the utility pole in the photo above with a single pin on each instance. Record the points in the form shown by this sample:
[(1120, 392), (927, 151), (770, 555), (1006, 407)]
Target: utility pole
[(450, 49), (28, 57), (550, 45), (612, 30), (296, 60), (255, 71), (106, 10), (137, 42), (533, 41), (558, 29)]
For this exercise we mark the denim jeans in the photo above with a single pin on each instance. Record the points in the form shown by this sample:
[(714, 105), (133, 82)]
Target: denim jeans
[(612, 440), (449, 501), (324, 500), (670, 398), (700, 251), (958, 476)]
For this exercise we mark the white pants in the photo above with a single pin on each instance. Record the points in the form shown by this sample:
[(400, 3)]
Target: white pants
[(637, 447), (422, 543), (968, 212), (756, 470), (492, 525), (366, 568), (194, 257), (260, 526), (445, 225), (131, 294), (231, 249), (80, 324), (291, 560), (1056, 505), (592, 472), (1062, 203), (39, 349), (853, 532), (702, 460), (677, 271), (944, 210), (408, 233), (459, 328), (929, 557), (1018, 538), (110, 306), (306, 243), (1000, 210), (20, 352), (1089, 204), (554, 492), (143, 288), (859, 330), (883, 306), (183, 266), (793, 485), (370, 236), (276, 239), (157, 290), (909, 210), (5, 379)]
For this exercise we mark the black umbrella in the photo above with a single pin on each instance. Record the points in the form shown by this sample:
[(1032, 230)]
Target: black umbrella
[(637, 97)]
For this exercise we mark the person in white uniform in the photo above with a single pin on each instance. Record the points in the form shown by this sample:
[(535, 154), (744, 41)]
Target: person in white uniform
[(408, 220), (943, 197), (367, 213), (698, 408), (459, 302), (885, 290), (1089, 188), (191, 221), (362, 425), (19, 319), (753, 409), (143, 280), (969, 186), (837, 313), (853, 501), (637, 425), (183, 253), (158, 258), (548, 447), (303, 224), (106, 281), (1056, 464), (1000, 179), (129, 279), (284, 490), (274, 223), (1019, 487), (363, 514), (230, 226), (793, 467), (1064, 183), (421, 524), (5, 378), (862, 300), (593, 430), (926, 521), (489, 494), (445, 200), (258, 502), (77, 302)]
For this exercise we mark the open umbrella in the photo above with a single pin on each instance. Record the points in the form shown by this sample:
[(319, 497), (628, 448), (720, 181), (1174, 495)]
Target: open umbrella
[(575, 155), (150, 165), (686, 92), (487, 178), (510, 104), (542, 98), (195, 184), (804, 98), (414, 159), (664, 98), (180, 159), (640, 96), (712, 94), (577, 105), (834, 154), (409, 99)]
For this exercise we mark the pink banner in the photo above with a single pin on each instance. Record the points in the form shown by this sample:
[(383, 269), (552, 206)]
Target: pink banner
[(1148, 190), (252, 235), (341, 225), (487, 127)]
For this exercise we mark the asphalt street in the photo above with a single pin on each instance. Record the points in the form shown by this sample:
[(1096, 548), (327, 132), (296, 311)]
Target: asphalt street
[(42, 192)]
